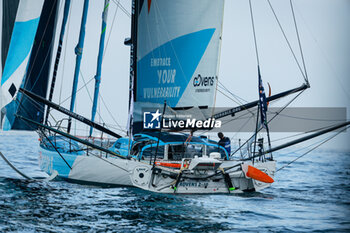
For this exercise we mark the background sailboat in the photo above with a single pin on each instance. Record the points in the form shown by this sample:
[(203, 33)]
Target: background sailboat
[(27, 43)]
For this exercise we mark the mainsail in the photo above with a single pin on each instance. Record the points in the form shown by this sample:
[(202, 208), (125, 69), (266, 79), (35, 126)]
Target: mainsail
[(27, 60), (175, 52)]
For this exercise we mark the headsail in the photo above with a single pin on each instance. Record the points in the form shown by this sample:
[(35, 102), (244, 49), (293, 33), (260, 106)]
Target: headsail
[(27, 63), (177, 54), (9, 10)]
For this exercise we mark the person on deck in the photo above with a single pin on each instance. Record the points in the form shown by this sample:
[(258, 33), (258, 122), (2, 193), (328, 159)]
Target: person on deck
[(225, 142)]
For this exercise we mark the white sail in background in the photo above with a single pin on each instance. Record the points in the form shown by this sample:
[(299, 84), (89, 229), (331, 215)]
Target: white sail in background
[(22, 39)]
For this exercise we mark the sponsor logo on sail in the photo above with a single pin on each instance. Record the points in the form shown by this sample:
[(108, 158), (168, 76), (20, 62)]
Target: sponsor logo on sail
[(203, 84), (200, 81)]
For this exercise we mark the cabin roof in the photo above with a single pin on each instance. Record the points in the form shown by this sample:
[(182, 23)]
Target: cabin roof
[(170, 137)]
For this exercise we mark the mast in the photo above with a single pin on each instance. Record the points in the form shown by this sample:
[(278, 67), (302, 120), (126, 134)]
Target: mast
[(58, 54), (99, 62), (133, 49), (133, 63), (79, 53)]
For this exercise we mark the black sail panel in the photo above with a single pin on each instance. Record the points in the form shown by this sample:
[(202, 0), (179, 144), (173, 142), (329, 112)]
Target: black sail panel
[(37, 76), (9, 11)]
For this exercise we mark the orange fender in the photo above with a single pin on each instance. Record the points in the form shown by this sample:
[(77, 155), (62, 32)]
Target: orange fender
[(173, 165), (257, 174)]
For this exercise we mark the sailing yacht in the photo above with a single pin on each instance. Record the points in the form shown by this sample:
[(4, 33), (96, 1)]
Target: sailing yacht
[(28, 32), (174, 61)]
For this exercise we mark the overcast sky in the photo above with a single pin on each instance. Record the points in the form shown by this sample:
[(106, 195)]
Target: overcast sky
[(325, 35)]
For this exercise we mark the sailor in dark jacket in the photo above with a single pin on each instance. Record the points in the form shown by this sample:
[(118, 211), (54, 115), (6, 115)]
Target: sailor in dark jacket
[(225, 142)]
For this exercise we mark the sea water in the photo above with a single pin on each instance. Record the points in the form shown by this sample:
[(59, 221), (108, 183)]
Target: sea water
[(313, 194)]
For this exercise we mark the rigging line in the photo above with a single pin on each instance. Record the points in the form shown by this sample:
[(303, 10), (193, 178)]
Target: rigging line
[(236, 96), (47, 138), (238, 102), (247, 109), (105, 160), (233, 96), (312, 149), (276, 114), (228, 121), (79, 89), (324, 55), (14, 168), (307, 119), (111, 115), (65, 53), (87, 90), (122, 8), (38, 107), (35, 104), (85, 85), (41, 40), (299, 134), (31, 126), (115, 127), (241, 128), (98, 112), (46, 57), (228, 97), (301, 149), (58, 56), (239, 118), (41, 69), (253, 27), (288, 43), (299, 42), (110, 33), (235, 101)]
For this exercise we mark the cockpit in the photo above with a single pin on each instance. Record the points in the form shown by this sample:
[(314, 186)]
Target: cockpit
[(168, 146)]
